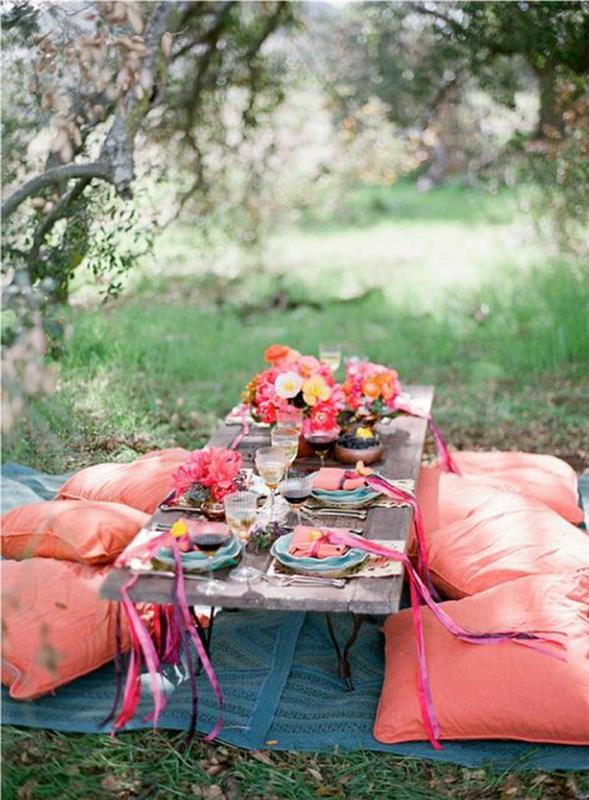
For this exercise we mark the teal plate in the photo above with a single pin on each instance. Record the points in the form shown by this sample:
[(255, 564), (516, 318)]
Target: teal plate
[(280, 552), (195, 561), (343, 497)]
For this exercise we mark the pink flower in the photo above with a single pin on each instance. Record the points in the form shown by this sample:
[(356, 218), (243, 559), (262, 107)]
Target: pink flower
[(214, 468)]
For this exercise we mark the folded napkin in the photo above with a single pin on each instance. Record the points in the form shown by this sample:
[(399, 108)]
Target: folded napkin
[(304, 544), (331, 479)]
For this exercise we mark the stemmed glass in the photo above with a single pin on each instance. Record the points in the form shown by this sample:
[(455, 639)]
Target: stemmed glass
[(209, 542), (288, 440), (240, 514), (331, 354), (321, 441), (290, 417), (296, 491), (271, 463)]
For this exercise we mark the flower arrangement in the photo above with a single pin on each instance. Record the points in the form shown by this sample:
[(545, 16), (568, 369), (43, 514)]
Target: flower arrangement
[(207, 476), (370, 389), (295, 380)]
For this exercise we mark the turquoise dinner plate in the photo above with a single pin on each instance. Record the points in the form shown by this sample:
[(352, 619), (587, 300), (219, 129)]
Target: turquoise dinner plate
[(197, 561), (343, 497), (279, 550)]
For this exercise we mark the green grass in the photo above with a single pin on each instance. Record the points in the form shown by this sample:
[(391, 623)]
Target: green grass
[(450, 287)]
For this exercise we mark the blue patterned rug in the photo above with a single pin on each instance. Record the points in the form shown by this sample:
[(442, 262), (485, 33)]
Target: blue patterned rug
[(280, 686)]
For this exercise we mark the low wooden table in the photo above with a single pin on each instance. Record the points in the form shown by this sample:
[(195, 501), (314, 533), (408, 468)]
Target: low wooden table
[(403, 440)]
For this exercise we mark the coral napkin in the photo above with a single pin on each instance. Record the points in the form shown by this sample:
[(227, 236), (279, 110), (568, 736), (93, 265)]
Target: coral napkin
[(304, 544), (331, 479)]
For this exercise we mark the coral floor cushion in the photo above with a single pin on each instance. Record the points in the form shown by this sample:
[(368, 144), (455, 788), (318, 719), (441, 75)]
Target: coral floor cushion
[(76, 530), (543, 477), (507, 537), (142, 484), (56, 627), (503, 691)]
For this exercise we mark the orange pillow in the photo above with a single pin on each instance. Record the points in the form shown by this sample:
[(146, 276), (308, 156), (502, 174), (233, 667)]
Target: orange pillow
[(55, 625), (503, 691), (142, 484), (543, 477), (74, 530), (507, 537)]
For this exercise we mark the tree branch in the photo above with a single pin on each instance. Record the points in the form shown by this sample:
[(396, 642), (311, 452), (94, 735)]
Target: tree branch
[(95, 169), (52, 218)]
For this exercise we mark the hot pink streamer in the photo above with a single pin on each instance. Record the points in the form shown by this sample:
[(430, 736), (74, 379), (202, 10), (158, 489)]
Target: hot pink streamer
[(448, 463), (143, 646)]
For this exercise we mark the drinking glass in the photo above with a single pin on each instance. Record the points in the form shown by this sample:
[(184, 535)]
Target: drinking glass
[(288, 440), (209, 542), (321, 441), (271, 463), (331, 354), (290, 417), (296, 491), (240, 514)]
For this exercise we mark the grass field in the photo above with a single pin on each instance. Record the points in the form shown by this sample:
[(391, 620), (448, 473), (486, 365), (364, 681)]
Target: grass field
[(451, 288)]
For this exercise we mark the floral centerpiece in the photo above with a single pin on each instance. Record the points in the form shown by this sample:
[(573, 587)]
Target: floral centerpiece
[(206, 477), (370, 389), (295, 380)]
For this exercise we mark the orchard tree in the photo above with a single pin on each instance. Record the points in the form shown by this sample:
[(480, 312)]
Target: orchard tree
[(86, 85)]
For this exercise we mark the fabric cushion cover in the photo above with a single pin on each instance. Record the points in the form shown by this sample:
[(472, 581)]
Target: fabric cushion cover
[(75, 530), (142, 484), (505, 691), (507, 537), (543, 477), (56, 626)]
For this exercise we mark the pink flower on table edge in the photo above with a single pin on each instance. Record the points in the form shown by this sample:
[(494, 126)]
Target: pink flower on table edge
[(316, 390), (215, 468), (288, 384)]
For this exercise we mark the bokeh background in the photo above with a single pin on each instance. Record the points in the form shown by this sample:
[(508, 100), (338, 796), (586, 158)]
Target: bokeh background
[(410, 179)]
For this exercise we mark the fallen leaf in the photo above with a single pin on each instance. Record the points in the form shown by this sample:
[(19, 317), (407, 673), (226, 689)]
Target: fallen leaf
[(315, 774), (111, 784), (25, 792), (213, 792), (263, 757)]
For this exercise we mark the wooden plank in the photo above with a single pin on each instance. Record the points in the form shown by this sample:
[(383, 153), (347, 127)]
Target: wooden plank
[(403, 440)]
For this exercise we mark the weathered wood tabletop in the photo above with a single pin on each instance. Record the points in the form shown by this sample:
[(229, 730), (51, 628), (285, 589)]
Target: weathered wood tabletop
[(403, 440)]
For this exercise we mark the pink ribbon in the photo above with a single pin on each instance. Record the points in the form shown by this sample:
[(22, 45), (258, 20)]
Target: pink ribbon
[(245, 429), (448, 463), (420, 593), (178, 625)]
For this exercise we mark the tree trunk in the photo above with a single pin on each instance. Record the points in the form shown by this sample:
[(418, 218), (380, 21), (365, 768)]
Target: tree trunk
[(548, 117)]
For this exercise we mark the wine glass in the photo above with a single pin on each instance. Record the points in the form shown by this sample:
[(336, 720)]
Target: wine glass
[(331, 354), (296, 491), (240, 514), (290, 417), (209, 542), (271, 463), (288, 440), (321, 441)]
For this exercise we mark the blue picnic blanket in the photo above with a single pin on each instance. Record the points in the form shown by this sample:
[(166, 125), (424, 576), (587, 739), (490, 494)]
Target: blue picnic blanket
[(281, 690)]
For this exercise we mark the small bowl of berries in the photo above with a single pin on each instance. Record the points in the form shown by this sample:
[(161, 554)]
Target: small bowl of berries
[(362, 444)]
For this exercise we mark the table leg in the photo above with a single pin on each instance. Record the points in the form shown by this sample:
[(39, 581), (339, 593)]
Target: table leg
[(206, 634), (343, 656)]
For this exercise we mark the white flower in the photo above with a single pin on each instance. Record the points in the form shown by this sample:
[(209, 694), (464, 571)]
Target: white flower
[(288, 385)]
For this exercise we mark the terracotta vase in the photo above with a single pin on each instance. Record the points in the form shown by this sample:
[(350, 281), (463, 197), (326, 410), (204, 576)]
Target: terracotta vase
[(305, 450)]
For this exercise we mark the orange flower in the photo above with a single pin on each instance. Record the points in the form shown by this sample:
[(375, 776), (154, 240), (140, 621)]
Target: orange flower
[(280, 355), (371, 386), (388, 384)]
